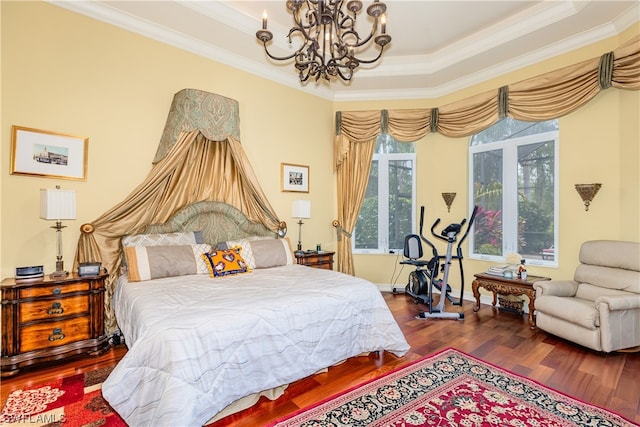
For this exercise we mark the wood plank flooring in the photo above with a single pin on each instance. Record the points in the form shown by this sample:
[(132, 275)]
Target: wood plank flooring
[(610, 381)]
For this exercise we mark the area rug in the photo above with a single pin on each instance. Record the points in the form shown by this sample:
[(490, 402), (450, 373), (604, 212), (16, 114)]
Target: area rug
[(452, 388), (74, 401)]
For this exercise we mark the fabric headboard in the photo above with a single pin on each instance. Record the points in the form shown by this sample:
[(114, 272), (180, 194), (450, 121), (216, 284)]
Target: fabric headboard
[(218, 222)]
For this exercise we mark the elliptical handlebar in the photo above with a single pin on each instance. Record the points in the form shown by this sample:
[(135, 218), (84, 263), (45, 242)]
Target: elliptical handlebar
[(437, 221), (434, 251), (452, 230), (471, 221)]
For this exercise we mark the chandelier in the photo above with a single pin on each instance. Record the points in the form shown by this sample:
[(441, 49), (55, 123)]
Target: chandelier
[(331, 41)]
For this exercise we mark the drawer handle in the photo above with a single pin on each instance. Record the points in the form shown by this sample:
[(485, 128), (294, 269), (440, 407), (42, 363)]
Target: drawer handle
[(56, 308), (56, 335), (56, 291)]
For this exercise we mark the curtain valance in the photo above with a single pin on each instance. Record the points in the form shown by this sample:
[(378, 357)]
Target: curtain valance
[(545, 97)]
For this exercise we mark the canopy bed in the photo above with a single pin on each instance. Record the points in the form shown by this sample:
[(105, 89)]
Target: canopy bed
[(204, 289), (197, 344)]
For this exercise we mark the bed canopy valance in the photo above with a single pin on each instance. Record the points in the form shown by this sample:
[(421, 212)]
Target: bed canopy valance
[(544, 97), (215, 116), (199, 158)]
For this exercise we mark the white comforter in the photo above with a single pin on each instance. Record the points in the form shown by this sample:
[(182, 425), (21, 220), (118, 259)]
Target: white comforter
[(197, 344)]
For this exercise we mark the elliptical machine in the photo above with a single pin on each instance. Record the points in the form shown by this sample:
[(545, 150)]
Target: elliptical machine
[(422, 281), (448, 234)]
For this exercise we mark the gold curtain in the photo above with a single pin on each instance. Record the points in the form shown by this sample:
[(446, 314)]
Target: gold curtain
[(353, 152), (353, 175), (194, 169), (545, 97)]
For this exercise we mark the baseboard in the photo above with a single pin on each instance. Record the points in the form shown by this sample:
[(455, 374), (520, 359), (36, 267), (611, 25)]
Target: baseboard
[(467, 296)]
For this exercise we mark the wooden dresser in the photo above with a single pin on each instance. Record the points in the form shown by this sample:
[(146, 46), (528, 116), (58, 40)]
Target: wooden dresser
[(51, 319), (316, 259)]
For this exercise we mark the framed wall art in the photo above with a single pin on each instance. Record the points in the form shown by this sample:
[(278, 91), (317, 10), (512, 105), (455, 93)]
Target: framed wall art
[(295, 178), (48, 154)]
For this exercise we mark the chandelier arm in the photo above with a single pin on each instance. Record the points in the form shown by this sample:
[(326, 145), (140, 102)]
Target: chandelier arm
[(362, 42), (301, 27), (345, 76), (371, 61), (305, 78), (278, 58)]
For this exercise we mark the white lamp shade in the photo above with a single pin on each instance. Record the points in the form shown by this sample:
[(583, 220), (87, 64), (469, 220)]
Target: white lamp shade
[(57, 204), (301, 209)]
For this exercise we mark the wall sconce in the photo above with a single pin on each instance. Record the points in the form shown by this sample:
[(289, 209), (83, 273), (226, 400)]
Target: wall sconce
[(448, 199), (587, 192), (56, 205), (300, 209)]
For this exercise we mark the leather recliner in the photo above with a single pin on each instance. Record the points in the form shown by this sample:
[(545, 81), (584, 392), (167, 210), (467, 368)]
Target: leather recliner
[(600, 307)]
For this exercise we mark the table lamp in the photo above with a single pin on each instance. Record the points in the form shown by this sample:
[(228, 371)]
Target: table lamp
[(56, 205), (300, 209)]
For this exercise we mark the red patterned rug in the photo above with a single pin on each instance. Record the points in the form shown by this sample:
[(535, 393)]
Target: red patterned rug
[(74, 401), (452, 389)]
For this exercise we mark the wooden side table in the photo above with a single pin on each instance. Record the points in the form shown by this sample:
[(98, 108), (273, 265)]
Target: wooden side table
[(321, 259), (504, 286), (51, 319)]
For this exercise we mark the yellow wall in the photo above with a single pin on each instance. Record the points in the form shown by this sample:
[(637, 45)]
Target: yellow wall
[(68, 73)]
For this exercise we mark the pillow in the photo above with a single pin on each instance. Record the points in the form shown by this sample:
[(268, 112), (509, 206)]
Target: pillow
[(164, 239), (223, 262), (235, 242), (201, 265), (245, 243), (151, 262), (270, 253)]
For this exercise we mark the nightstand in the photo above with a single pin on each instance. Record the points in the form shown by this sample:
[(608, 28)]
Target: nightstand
[(50, 319), (314, 259)]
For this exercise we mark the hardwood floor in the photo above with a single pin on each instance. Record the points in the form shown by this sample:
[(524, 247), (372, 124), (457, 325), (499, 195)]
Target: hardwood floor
[(610, 381)]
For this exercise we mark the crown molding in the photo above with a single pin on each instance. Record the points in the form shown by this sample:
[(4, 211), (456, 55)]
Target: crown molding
[(517, 26)]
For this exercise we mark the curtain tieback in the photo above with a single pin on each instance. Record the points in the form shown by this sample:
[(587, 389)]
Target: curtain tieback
[(339, 230), (282, 229), (87, 228), (605, 70)]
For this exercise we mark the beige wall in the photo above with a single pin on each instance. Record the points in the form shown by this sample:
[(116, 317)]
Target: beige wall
[(68, 73)]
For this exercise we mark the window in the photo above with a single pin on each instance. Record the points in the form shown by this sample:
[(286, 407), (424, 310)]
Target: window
[(388, 210), (513, 170)]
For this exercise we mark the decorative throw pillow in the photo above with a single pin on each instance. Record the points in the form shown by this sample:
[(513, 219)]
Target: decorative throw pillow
[(225, 262), (153, 262)]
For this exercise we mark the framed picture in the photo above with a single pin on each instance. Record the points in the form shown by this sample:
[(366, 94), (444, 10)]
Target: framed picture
[(295, 178), (47, 154)]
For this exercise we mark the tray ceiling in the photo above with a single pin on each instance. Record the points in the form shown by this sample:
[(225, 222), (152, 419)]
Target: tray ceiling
[(437, 47)]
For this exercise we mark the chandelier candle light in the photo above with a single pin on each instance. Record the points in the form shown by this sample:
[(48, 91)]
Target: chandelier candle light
[(329, 38), (56, 205)]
